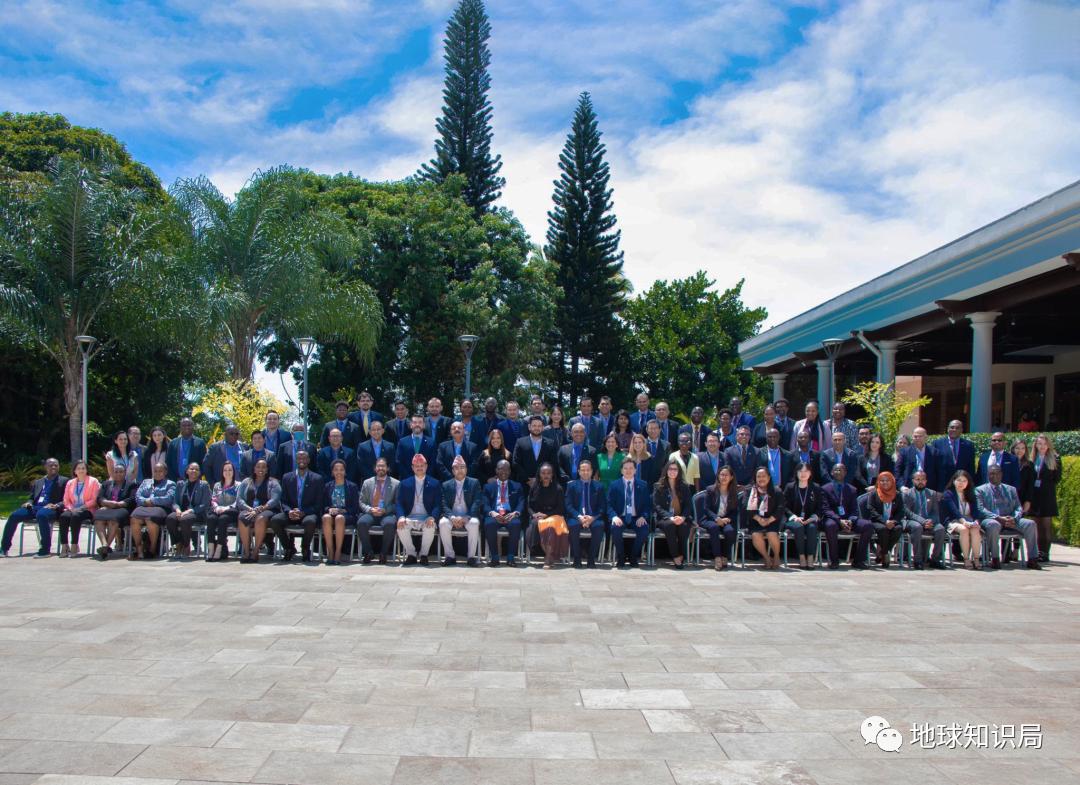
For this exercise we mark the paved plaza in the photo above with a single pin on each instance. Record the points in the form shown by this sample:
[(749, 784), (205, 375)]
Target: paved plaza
[(161, 672)]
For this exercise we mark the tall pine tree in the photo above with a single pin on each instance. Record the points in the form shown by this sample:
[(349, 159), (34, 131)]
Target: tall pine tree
[(583, 243), (463, 145)]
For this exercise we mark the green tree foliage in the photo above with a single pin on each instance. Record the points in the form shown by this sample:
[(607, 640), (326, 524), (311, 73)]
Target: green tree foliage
[(683, 341), (271, 264), (583, 243), (463, 145), (884, 406)]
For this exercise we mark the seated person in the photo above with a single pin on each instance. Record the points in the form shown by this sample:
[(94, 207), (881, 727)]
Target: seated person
[(378, 495), (886, 508), (341, 505), (506, 508), (301, 505), (547, 508), (191, 506), (585, 508), (115, 500), (80, 501), (153, 502), (842, 517), (463, 509), (1003, 512), (802, 500), (257, 501), (629, 508), (222, 513), (720, 517), (418, 506), (761, 515), (922, 507), (674, 510), (963, 517), (44, 506)]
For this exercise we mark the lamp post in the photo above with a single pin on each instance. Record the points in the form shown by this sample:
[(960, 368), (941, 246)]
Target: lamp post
[(86, 343), (832, 348), (307, 347), (468, 343)]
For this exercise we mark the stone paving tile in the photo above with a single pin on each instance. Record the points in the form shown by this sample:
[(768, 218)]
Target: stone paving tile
[(211, 764)]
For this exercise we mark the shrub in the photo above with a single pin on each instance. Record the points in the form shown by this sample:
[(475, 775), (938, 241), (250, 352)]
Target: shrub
[(1067, 523), (1065, 442)]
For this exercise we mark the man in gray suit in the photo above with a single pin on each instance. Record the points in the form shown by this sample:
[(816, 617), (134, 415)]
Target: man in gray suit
[(377, 497), (923, 516), (1003, 513)]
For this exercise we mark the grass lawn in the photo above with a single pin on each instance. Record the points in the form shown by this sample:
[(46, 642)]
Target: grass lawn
[(9, 501)]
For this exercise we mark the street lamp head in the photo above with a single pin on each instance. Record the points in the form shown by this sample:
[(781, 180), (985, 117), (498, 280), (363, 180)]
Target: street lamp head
[(468, 342), (85, 341), (832, 346), (307, 347)]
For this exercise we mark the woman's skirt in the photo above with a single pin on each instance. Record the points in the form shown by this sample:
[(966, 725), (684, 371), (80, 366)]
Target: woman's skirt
[(554, 537)]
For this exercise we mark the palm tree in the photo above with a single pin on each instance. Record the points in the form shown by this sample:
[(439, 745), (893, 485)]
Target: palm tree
[(272, 264), (76, 251)]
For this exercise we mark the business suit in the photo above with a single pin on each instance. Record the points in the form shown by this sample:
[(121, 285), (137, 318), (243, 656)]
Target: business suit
[(1010, 468), (743, 464), (634, 515), (697, 444), (310, 506), (660, 450), (581, 501), (437, 429), (669, 430), (350, 433), (527, 462), (276, 439), (868, 471), (510, 501), (367, 453), (512, 430), (639, 419), (708, 469), (396, 429), (676, 536), (352, 500), (406, 450), (286, 456), (785, 463), (473, 509), (594, 429), (189, 496), (196, 453), (357, 419), (719, 517), (829, 459), (386, 520), (811, 458), (1004, 501), (481, 427), (325, 460), (567, 468), (923, 512), (37, 512), (742, 419), (911, 461), (448, 450), (840, 503), (124, 492), (216, 456), (952, 456), (248, 459), (414, 518), (607, 425)]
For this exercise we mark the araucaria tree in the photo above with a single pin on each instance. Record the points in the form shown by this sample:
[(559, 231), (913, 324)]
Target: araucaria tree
[(463, 144), (583, 243)]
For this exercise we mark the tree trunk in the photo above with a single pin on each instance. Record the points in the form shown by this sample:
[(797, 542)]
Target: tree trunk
[(72, 372)]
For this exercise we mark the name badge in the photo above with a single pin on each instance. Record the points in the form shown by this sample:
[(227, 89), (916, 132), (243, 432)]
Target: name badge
[(841, 510)]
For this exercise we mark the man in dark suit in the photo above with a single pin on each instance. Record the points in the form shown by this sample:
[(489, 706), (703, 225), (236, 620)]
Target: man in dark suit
[(742, 458), (257, 452), (841, 507), (594, 431), (657, 447), (571, 455), (536, 406), (739, 418), (710, 460), (418, 506), (532, 451), (918, 456), (350, 433), (415, 444), (436, 424), (803, 454), (43, 506), (863, 443), (336, 451), (273, 434), (485, 424), (629, 509), (286, 454), (779, 462), (954, 453), (697, 429), (451, 448), (999, 455), (367, 453), (230, 449), (506, 508), (639, 418), (669, 429), (467, 420), (512, 426), (301, 505), (364, 416), (840, 453), (184, 449), (400, 426), (585, 508), (606, 416)]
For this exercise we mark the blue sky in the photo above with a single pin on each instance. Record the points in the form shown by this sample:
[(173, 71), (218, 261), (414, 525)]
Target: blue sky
[(806, 146)]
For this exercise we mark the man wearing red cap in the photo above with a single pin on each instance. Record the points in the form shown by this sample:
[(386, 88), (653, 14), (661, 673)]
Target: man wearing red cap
[(419, 505)]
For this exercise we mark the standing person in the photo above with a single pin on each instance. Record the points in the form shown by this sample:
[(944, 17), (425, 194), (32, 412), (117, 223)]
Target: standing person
[(378, 496), (803, 504), (739, 418), (763, 427), (646, 465), (157, 451), (463, 508), (762, 513), (1025, 487), (368, 453), (657, 447), (536, 406), (572, 455), (115, 500), (784, 424), (609, 462), (820, 435), (1046, 467), (688, 462), (919, 457), (697, 429), (720, 517), (259, 451), (399, 427), (902, 441), (629, 508), (954, 453), (668, 428), (273, 435), (512, 426), (183, 450), (224, 511), (489, 422), (364, 415), (724, 432), (585, 509), (457, 446), (287, 452), (468, 421), (153, 502), (436, 424), (121, 453), (301, 505), (258, 500), (489, 457), (532, 451), (335, 450), (418, 506), (341, 505), (886, 508), (839, 423), (674, 510), (710, 460), (80, 502), (230, 449), (998, 455), (963, 515), (136, 446), (779, 462), (190, 508), (606, 418), (622, 430), (555, 431), (640, 418), (594, 427), (416, 443), (350, 433), (547, 509), (742, 458), (875, 460)]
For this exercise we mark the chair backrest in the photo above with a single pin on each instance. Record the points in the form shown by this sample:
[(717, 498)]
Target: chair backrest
[(864, 505), (698, 503)]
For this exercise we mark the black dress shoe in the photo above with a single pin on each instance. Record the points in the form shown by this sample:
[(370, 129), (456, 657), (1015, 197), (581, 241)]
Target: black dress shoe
[(409, 560), (424, 560), (474, 562), (995, 563), (493, 563), (306, 555), (937, 565), (621, 563), (919, 565), (577, 564), (382, 558), (834, 565), (1033, 564), (288, 557), (591, 563), (634, 563), (367, 559), (449, 561), (861, 565)]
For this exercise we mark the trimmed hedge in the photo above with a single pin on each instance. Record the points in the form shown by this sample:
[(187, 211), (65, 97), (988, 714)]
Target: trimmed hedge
[(1067, 523)]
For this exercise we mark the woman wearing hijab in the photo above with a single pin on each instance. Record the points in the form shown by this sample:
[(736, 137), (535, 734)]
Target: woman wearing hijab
[(886, 508)]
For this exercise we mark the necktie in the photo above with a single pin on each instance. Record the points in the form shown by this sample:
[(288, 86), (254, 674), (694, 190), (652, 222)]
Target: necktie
[(744, 454), (299, 489), (364, 420), (378, 495), (376, 448), (585, 498), (956, 451), (629, 498), (457, 449), (503, 502), (416, 445)]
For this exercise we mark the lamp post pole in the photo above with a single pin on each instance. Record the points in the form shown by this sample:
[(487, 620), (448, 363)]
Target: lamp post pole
[(86, 343), (468, 343), (307, 347)]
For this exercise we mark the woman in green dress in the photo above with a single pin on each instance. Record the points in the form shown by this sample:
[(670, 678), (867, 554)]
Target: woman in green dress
[(610, 461)]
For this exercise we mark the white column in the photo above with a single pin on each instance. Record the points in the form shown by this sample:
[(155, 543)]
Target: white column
[(887, 361), (824, 387), (982, 361), (778, 380)]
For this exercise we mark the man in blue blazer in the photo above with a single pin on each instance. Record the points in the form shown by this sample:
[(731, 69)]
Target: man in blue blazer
[(505, 509), (257, 452), (999, 455), (954, 453), (400, 425), (230, 449), (301, 505), (669, 429), (273, 433), (184, 449), (369, 452), (742, 458), (739, 418), (639, 418), (436, 424), (456, 445), (418, 506), (364, 416), (286, 454), (415, 444), (572, 455), (918, 456), (606, 415), (594, 429), (486, 423), (629, 509), (585, 508), (840, 453), (468, 420), (803, 453), (513, 427), (841, 508), (699, 432), (44, 506), (336, 451), (350, 434), (710, 460), (463, 509), (779, 462)]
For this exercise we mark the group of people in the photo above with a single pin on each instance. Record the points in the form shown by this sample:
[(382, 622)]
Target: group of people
[(600, 476)]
